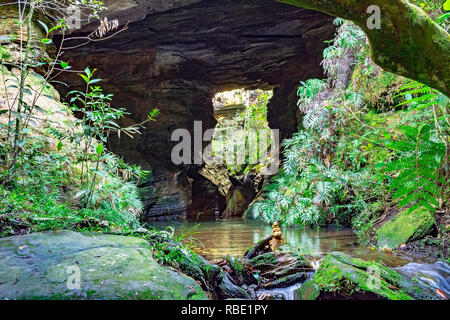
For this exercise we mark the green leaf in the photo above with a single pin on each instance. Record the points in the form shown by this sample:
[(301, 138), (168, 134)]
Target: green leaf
[(94, 81), (80, 193), (86, 79), (101, 173), (410, 131), (88, 72), (408, 199), (56, 28), (44, 26), (60, 145), (429, 199), (64, 65), (99, 149), (21, 143), (37, 108)]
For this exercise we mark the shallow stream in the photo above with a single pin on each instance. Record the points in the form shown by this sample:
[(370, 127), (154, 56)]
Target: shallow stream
[(216, 239)]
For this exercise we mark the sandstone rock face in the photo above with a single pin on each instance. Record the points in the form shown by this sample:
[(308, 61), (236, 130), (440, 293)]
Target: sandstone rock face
[(176, 54), (405, 226), (38, 266)]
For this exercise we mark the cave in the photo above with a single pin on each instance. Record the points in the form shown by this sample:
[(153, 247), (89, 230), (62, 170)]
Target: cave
[(176, 55), (353, 205)]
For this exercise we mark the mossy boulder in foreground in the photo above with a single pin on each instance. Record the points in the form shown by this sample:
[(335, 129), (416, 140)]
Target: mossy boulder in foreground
[(38, 266), (344, 276), (406, 226)]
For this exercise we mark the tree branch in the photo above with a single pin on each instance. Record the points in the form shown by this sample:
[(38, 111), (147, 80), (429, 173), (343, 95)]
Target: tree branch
[(409, 43)]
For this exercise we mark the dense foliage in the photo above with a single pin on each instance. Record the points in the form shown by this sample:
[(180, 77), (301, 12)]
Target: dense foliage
[(367, 140), (59, 174), (233, 133)]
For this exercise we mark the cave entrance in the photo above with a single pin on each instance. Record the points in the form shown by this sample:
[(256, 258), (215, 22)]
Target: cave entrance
[(241, 115), (241, 142)]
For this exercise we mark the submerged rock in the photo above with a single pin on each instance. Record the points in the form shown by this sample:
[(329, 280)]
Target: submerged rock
[(345, 276), (46, 266), (406, 226)]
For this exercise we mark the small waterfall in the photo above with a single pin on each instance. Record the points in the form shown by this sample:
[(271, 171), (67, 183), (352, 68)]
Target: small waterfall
[(435, 275)]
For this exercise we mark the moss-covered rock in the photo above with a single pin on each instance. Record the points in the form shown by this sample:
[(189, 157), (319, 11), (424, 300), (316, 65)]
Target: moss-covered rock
[(287, 281), (346, 276), (40, 266), (276, 265), (236, 269), (263, 260), (308, 291), (406, 226)]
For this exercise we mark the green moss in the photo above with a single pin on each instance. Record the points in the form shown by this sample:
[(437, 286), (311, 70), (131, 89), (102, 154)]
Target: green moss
[(235, 264), (111, 267), (379, 90), (336, 275), (406, 226), (263, 259)]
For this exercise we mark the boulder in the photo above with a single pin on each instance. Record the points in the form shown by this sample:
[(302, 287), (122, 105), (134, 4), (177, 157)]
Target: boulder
[(344, 276), (406, 226), (47, 265)]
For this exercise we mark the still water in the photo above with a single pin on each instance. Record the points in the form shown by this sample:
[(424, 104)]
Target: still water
[(216, 239)]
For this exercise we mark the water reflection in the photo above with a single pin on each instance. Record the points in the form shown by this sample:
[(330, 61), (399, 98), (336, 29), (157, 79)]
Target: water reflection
[(216, 239)]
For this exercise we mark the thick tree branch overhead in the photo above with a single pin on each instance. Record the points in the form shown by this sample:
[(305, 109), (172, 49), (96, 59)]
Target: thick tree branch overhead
[(408, 43)]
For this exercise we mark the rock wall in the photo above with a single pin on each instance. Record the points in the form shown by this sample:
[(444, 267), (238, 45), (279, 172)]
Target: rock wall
[(175, 55)]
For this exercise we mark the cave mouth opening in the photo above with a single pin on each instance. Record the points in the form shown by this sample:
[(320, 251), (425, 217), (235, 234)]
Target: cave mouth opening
[(242, 143), (241, 117)]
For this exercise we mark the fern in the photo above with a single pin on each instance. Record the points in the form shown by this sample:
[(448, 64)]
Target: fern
[(304, 190), (56, 133), (420, 96), (418, 167), (323, 189), (328, 173), (309, 90)]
